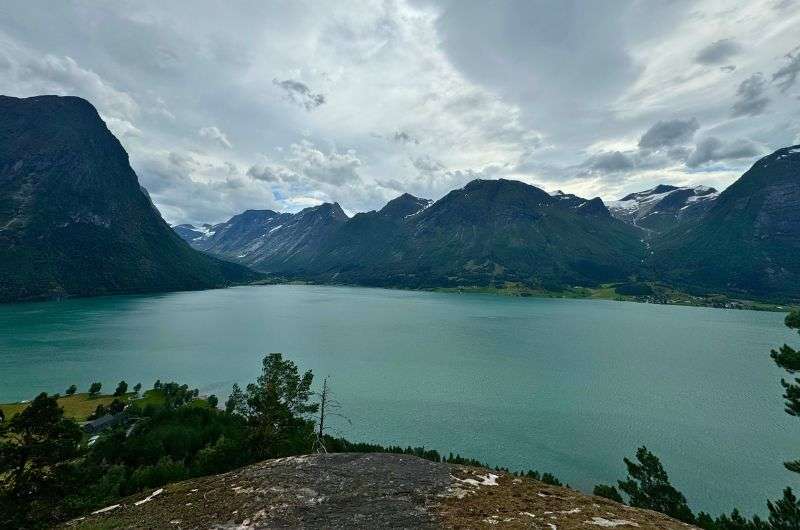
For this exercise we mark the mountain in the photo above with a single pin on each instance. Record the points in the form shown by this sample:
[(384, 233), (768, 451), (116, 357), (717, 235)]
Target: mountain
[(489, 232), (404, 206), (74, 220), (662, 208), (268, 240), (191, 232), (748, 242), (233, 237)]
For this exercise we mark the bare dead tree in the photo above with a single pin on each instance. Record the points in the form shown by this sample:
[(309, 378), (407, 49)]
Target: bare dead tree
[(328, 406)]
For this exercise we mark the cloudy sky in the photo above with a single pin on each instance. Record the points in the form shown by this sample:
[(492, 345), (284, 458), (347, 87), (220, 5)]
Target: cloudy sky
[(225, 106)]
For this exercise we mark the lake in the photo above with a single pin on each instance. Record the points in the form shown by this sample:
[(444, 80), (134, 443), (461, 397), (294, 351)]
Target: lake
[(567, 386)]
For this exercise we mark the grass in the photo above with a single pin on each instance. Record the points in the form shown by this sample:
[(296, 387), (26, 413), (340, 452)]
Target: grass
[(77, 406), (80, 406), (151, 397), (604, 292)]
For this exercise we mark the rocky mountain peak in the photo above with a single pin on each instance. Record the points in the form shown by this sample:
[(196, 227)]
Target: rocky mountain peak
[(404, 205), (663, 207)]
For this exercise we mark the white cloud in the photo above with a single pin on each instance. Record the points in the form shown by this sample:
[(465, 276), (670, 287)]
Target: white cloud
[(213, 133)]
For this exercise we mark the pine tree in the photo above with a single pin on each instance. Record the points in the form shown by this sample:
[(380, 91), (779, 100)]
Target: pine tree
[(276, 406), (34, 441), (785, 513), (648, 487), (608, 492)]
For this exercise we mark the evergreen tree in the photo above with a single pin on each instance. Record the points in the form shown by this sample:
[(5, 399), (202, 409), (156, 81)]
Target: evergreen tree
[(608, 492), (235, 400), (94, 389), (648, 487), (71, 390), (785, 512), (213, 401), (734, 521), (137, 387), (276, 406), (35, 440)]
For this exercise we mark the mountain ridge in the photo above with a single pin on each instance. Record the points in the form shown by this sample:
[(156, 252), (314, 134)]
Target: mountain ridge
[(74, 220), (489, 231), (663, 207), (495, 232), (747, 242)]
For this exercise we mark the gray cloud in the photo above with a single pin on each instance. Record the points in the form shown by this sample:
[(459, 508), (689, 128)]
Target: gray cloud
[(545, 84), (300, 94), (669, 133), (787, 75), (272, 173), (727, 68), (751, 100), (718, 52), (679, 153), (712, 149), (610, 162)]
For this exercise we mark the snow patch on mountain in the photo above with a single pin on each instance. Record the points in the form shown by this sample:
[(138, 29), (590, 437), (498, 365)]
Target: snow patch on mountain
[(662, 207)]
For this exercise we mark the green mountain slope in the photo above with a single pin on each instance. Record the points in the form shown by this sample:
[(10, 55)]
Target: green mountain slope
[(74, 220), (487, 233), (748, 242)]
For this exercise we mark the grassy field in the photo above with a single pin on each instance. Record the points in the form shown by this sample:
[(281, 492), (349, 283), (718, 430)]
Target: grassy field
[(80, 406), (77, 406)]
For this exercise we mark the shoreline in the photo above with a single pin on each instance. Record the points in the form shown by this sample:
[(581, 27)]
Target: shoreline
[(661, 295)]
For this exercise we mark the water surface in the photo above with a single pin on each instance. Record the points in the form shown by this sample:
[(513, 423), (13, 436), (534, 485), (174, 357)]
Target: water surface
[(568, 386)]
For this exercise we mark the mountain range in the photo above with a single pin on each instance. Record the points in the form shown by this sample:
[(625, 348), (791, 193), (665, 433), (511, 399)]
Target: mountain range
[(486, 233), (742, 241), (74, 220)]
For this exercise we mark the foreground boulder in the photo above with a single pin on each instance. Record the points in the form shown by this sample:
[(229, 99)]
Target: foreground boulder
[(367, 491)]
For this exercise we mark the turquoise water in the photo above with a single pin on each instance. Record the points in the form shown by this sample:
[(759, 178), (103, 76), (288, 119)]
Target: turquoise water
[(568, 386)]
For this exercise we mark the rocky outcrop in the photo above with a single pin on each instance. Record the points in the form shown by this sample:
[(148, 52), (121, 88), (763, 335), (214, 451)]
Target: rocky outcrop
[(367, 491)]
